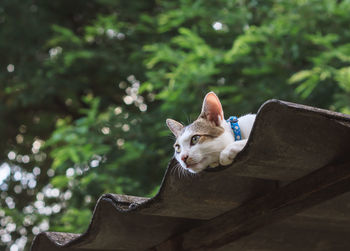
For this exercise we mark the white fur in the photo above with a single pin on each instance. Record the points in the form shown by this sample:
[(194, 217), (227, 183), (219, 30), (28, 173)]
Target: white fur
[(221, 150)]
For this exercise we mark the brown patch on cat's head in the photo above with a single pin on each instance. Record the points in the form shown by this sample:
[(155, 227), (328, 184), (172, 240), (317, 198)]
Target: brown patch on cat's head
[(205, 129)]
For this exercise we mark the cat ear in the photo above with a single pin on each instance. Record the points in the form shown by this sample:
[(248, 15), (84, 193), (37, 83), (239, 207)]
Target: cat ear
[(212, 109), (174, 126)]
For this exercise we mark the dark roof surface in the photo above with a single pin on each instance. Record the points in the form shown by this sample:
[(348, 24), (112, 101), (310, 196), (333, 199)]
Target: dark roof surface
[(288, 141)]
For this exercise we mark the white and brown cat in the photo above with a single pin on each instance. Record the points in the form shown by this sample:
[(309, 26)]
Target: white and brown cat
[(209, 140)]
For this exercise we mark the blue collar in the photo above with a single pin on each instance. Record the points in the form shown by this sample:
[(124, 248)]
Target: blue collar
[(233, 120)]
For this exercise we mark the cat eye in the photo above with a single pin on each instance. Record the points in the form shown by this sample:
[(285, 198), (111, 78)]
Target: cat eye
[(177, 148), (195, 139)]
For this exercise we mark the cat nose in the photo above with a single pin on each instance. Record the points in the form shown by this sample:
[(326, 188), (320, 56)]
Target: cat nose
[(184, 157)]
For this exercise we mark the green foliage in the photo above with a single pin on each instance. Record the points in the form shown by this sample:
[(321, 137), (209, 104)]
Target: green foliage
[(74, 221), (85, 88)]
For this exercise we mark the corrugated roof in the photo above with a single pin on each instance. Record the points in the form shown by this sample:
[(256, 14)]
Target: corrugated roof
[(290, 147)]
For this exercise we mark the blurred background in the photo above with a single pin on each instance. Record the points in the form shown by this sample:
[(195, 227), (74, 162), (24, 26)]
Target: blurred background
[(86, 86)]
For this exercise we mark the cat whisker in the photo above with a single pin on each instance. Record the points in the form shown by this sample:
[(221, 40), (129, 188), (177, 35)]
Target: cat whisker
[(172, 136), (173, 169), (176, 169), (180, 171), (187, 118)]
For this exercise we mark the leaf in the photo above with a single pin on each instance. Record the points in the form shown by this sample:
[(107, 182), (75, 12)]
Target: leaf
[(343, 78), (300, 76)]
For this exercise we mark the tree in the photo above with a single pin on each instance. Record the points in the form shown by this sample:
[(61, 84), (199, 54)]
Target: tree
[(86, 88)]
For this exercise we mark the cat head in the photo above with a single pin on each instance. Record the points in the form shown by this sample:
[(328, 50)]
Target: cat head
[(199, 144)]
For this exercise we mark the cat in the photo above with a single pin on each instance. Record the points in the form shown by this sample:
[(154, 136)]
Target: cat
[(209, 140)]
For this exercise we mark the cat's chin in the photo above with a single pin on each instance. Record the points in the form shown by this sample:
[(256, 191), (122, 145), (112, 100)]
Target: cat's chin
[(192, 170), (196, 168)]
